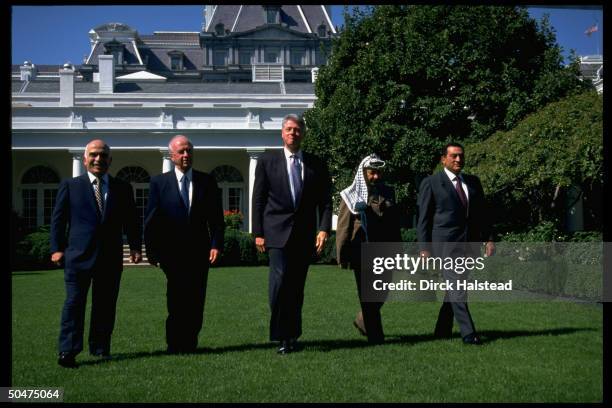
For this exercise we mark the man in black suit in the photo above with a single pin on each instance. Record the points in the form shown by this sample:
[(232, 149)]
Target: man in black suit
[(183, 222), (96, 208), (290, 187), (452, 210)]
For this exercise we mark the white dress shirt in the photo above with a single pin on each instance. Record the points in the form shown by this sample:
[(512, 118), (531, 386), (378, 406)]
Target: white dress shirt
[(453, 178), (104, 179)]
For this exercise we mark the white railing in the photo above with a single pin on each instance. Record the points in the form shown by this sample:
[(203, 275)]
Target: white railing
[(268, 73)]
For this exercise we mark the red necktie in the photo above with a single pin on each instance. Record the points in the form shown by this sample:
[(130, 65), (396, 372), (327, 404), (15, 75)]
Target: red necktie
[(460, 192)]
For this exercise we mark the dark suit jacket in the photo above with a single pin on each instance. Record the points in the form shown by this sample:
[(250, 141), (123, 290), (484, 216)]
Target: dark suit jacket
[(442, 217), (274, 215), (92, 238), (383, 220), (170, 232)]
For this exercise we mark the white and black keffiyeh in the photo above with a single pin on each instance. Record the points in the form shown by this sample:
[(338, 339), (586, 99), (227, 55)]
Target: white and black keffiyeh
[(356, 195)]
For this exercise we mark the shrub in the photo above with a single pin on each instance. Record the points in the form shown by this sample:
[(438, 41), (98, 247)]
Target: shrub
[(233, 219), (409, 235), (328, 255), (239, 249), (34, 251)]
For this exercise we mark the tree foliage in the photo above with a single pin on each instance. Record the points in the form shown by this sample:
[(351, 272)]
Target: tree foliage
[(403, 80), (529, 170)]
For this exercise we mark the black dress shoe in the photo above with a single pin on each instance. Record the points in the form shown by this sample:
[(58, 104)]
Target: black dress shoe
[(67, 360), (472, 339), (285, 347)]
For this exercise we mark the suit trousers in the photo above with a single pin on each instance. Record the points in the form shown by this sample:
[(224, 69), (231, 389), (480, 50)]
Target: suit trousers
[(288, 269), (455, 304), (105, 290), (185, 297), (371, 313)]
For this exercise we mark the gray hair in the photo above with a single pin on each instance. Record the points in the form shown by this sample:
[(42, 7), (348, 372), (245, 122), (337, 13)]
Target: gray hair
[(296, 118), (106, 147), (178, 137)]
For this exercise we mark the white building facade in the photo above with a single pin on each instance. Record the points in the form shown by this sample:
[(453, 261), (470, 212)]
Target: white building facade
[(137, 104)]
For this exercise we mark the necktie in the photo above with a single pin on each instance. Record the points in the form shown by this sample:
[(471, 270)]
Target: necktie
[(185, 191), (460, 192), (296, 178), (98, 192)]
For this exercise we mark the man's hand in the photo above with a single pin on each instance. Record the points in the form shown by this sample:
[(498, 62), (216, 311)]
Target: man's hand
[(214, 254), (260, 244), (321, 239), (57, 258), (490, 248), (135, 256)]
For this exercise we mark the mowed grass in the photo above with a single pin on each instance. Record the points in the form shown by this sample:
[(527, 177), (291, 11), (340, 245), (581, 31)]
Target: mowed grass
[(534, 352)]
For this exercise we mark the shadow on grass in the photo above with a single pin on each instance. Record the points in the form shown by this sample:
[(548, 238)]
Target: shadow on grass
[(489, 336), (26, 273), (335, 344)]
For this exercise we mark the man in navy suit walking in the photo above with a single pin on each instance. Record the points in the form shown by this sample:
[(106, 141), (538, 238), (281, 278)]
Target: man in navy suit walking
[(291, 186), (184, 235), (453, 220), (96, 209)]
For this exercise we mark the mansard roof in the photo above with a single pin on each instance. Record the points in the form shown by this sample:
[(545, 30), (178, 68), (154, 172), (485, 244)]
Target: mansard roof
[(234, 18), (163, 37)]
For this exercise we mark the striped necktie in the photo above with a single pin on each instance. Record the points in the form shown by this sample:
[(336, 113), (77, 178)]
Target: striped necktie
[(98, 192)]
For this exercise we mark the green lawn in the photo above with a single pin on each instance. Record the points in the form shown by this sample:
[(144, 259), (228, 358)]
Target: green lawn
[(535, 352)]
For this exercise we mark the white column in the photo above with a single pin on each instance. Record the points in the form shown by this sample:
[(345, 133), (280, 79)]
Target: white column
[(253, 156), (166, 162), (77, 163)]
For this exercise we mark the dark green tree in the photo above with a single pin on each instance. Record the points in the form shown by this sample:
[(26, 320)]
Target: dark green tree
[(530, 170), (403, 80)]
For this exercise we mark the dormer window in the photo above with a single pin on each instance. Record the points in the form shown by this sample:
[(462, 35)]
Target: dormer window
[(115, 48), (322, 30), (176, 60), (220, 29), (272, 14)]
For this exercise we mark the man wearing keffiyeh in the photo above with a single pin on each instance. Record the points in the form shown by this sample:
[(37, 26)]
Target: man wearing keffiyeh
[(368, 213)]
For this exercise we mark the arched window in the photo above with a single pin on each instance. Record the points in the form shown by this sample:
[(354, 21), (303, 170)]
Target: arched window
[(139, 178), (227, 174), (133, 174), (38, 192), (231, 184), (40, 174)]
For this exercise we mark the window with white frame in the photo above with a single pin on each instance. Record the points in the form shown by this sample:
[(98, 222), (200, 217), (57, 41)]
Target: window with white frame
[(298, 56), (39, 186), (220, 57), (245, 56), (231, 184), (272, 55)]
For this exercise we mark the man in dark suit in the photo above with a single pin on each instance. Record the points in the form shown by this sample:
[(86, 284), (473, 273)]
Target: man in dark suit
[(453, 216), (290, 187), (96, 208), (184, 235)]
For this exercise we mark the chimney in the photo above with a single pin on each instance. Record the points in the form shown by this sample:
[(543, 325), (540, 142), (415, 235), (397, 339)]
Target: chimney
[(106, 67), (66, 85), (28, 71), (313, 73)]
